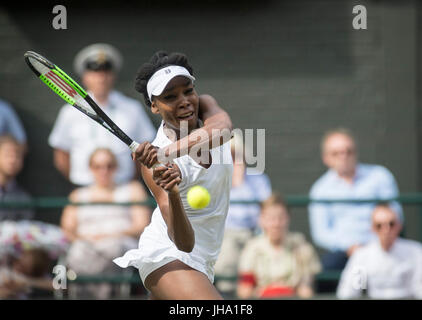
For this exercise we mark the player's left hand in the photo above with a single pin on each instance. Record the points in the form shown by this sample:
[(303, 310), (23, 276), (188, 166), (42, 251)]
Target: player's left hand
[(147, 154), (167, 177)]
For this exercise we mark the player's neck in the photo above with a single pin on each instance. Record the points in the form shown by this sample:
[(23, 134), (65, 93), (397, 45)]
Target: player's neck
[(174, 133)]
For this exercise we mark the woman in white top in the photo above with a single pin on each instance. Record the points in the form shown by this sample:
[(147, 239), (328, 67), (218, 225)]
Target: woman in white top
[(99, 233), (177, 251)]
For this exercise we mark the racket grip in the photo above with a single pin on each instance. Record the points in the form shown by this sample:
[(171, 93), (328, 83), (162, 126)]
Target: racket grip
[(133, 146)]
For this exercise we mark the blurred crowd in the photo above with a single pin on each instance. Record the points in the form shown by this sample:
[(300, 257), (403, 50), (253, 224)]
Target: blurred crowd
[(261, 257)]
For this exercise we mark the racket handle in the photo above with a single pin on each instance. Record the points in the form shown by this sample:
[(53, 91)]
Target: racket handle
[(133, 146)]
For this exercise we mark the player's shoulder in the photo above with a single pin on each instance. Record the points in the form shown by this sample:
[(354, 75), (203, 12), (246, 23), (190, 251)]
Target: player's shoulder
[(208, 103), (207, 97)]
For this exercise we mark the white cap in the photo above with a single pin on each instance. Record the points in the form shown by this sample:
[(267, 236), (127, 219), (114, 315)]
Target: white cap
[(97, 53), (159, 80)]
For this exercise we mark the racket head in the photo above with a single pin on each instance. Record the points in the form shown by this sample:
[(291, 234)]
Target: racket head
[(58, 81), (69, 90)]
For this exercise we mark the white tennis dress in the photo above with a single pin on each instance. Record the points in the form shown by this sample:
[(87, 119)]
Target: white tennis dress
[(155, 247)]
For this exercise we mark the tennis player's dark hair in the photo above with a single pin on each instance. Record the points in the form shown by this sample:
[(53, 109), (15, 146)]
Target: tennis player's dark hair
[(159, 60)]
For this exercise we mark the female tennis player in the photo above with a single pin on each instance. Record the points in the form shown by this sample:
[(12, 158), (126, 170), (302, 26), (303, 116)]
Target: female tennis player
[(177, 251)]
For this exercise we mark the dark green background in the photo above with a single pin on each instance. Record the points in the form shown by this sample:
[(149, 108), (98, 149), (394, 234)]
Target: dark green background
[(295, 68)]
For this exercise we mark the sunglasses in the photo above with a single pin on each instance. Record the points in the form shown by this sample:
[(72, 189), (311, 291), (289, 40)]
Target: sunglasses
[(391, 224), (348, 152), (108, 166)]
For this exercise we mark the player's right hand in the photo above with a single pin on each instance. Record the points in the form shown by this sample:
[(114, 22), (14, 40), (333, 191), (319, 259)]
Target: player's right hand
[(167, 177), (146, 153)]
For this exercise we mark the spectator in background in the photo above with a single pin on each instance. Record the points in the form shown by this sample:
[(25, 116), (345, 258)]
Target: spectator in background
[(27, 276), (75, 136), (101, 233), (341, 228), (389, 267), (10, 123), (277, 263), (242, 218), (28, 251), (11, 163)]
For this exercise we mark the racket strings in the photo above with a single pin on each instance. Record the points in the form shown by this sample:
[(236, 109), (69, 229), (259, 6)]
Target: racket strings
[(71, 82), (57, 90)]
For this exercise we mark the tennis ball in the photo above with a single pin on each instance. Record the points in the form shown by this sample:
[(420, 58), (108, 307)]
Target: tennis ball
[(198, 197)]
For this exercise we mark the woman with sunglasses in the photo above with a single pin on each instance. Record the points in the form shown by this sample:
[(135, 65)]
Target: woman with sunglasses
[(99, 233)]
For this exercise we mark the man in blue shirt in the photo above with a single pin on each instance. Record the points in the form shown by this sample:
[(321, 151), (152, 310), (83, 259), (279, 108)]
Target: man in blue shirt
[(341, 228), (10, 124)]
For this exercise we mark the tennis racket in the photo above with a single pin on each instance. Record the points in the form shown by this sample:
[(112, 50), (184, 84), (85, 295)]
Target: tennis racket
[(71, 92)]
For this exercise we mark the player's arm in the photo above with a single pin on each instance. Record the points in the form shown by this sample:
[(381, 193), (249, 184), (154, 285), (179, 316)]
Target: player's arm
[(62, 162), (161, 181), (216, 130)]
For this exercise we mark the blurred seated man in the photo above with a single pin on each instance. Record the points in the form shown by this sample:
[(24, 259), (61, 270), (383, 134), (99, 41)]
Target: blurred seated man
[(11, 163), (277, 263), (74, 136), (340, 228), (242, 218), (10, 124), (27, 276), (101, 233), (389, 267)]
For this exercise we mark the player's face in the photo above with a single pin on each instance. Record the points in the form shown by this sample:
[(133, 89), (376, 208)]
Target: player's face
[(386, 225), (274, 221), (103, 168), (178, 104), (11, 159), (340, 154), (100, 83)]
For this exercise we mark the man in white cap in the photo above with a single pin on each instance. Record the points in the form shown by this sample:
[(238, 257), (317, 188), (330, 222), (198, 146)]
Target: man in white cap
[(74, 136)]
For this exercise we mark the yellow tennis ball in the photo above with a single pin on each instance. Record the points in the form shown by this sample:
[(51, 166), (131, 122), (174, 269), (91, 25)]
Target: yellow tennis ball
[(198, 197)]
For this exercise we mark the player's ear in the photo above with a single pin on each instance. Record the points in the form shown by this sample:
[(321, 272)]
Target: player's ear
[(154, 108)]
